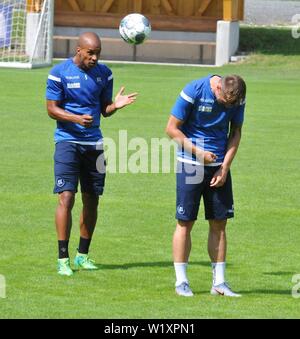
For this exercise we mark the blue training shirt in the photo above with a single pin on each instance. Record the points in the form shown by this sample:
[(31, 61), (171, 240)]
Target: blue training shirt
[(79, 92), (204, 119)]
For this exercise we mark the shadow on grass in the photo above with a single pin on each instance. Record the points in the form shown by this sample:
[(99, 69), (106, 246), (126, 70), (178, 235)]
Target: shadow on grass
[(148, 264), (279, 273), (266, 292), (169, 264), (244, 293)]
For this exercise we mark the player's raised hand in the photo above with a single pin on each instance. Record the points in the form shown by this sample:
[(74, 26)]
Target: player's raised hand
[(122, 100)]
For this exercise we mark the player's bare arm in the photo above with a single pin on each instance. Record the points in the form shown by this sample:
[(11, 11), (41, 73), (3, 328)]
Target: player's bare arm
[(174, 132), (57, 113), (235, 135), (121, 101), (234, 139)]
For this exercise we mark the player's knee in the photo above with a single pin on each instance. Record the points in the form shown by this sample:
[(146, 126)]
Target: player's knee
[(185, 225), (217, 226), (66, 200), (90, 201)]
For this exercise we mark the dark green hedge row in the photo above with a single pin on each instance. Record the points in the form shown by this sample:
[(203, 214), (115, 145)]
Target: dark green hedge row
[(269, 40)]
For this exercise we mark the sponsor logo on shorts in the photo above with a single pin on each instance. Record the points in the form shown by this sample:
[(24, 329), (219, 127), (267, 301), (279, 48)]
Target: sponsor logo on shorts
[(180, 210), (60, 183)]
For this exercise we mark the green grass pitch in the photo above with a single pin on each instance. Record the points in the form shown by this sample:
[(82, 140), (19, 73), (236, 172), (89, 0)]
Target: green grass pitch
[(132, 242)]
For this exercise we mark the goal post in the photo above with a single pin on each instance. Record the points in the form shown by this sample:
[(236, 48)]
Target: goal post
[(26, 33)]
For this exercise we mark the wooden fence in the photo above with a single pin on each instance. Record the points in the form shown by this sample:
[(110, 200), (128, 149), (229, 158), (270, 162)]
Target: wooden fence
[(183, 15)]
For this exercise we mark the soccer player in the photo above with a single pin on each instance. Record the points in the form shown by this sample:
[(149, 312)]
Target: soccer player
[(79, 91), (206, 122)]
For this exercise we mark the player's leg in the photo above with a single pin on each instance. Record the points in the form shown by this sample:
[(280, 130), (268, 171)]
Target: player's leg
[(92, 181), (66, 170), (89, 215), (217, 243), (217, 246), (182, 245), (187, 202), (63, 218), (63, 221), (88, 220), (218, 208)]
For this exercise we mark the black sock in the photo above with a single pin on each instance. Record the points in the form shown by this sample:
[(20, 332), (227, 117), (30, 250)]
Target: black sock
[(63, 249), (84, 245)]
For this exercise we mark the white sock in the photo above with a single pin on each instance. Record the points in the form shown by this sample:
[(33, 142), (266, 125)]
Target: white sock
[(180, 271), (218, 273)]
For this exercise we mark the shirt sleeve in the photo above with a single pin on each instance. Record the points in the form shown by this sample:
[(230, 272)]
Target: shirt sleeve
[(54, 89), (238, 117), (107, 93), (184, 103)]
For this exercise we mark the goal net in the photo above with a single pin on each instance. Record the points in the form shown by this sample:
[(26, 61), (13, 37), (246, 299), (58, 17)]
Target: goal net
[(26, 28)]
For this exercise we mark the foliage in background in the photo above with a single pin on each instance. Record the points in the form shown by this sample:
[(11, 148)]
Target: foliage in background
[(268, 40)]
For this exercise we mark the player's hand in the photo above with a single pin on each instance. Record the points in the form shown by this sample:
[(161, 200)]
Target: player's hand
[(219, 178), (85, 120), (205, 157), (124, 100), (209, 158)]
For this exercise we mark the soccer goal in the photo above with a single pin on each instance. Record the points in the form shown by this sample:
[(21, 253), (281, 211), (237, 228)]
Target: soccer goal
[(26, 32)]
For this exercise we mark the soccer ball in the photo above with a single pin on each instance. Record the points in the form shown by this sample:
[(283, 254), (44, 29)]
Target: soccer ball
[(135, 28)]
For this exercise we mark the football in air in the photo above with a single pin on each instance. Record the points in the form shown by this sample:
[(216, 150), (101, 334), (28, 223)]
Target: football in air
[(135, 28)]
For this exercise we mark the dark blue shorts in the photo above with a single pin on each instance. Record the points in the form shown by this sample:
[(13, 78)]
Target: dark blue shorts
[(218, 202), (74, 162)]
